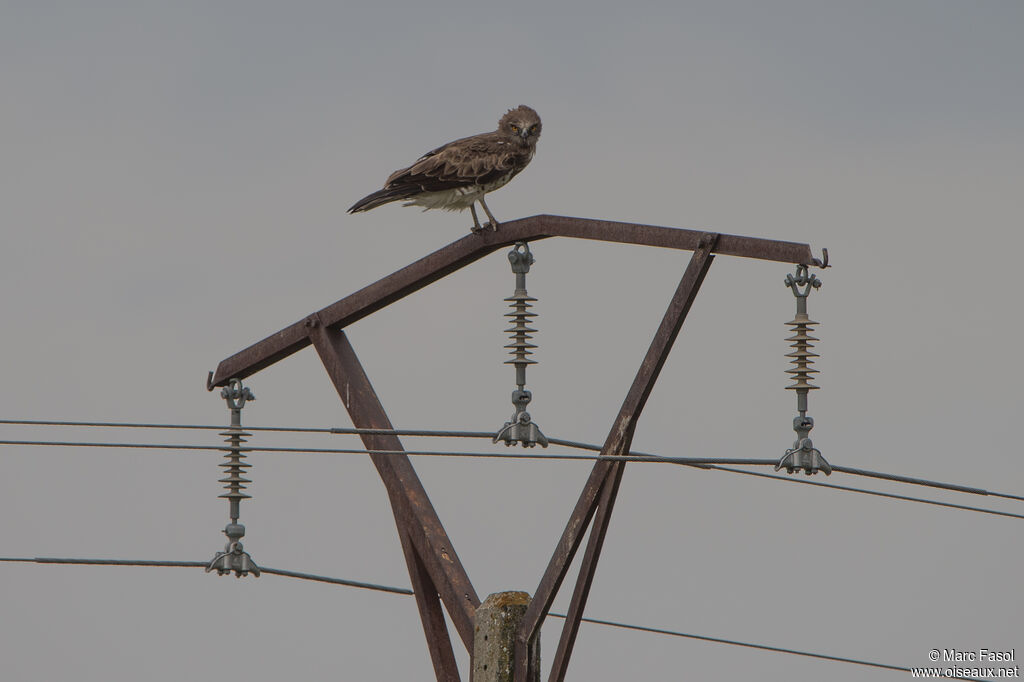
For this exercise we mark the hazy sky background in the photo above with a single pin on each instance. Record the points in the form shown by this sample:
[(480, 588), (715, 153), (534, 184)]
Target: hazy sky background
[(173, 185)]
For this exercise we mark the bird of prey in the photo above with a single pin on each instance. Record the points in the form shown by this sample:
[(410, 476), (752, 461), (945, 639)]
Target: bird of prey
[(457, 175)]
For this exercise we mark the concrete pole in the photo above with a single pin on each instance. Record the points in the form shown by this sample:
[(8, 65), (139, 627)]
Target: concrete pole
[(494, 639)]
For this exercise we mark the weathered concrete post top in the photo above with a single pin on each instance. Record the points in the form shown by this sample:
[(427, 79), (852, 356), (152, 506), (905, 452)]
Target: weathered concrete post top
[(494, 639)]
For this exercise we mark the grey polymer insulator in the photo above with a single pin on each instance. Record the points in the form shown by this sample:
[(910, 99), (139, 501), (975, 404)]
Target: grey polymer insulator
[(521, 428), (234, 559), (803, 456)]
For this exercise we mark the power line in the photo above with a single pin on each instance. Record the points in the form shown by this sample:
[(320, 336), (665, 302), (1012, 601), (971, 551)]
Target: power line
[(840, 469), (422, 453), (105, 562), (924, 482), (876, 493), (750, 645), (405, 591), (336, 581), (144, 425), (204, 564), (714, 463), (280, 429), (641, 456)]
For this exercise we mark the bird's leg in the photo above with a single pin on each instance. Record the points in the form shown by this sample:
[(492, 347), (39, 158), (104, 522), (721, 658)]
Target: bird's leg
[(494, 221), (476, 229)]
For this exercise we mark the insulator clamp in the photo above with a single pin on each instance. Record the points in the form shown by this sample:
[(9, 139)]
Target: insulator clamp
[(234, 559)]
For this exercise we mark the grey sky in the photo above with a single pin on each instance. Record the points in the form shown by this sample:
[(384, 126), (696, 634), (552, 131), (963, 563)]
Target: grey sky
[(174, 183)]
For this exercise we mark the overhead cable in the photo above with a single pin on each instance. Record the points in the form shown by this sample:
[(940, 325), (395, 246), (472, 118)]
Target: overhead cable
[(751, 645), (405, 591), (640, 456), (204, 564)]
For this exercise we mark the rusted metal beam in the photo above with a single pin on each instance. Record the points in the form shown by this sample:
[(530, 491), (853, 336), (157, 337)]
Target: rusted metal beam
[(473, 247), (429, 606), (558, 566), (588, 567), (618, 442), (414, 514), (541, 226)]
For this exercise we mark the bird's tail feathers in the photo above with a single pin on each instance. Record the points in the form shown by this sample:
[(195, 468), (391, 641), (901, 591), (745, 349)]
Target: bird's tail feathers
[(379, 198)]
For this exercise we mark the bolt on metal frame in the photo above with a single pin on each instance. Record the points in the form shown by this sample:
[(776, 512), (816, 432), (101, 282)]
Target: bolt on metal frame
[(437, 575)]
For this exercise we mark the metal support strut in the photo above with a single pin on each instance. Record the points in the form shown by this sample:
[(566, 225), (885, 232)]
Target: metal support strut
[(803, 455), (234, 558), (521, 428)]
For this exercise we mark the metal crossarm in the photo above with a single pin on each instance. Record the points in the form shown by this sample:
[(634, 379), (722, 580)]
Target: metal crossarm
[(472, 248)]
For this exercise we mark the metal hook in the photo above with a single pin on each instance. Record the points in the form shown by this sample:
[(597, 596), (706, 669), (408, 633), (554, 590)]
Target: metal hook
[(821, 262)]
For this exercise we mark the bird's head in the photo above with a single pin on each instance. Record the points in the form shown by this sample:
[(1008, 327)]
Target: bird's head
[(522, 125)]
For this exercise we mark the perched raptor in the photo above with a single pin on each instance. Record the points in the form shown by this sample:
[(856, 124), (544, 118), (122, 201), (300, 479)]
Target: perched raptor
[(459, 174)]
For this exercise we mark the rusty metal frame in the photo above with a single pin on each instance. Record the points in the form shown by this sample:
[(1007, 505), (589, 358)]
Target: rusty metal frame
[(435, 570)]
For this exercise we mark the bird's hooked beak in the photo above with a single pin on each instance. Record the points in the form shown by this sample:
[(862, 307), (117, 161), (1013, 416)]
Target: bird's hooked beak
[(524, 133)]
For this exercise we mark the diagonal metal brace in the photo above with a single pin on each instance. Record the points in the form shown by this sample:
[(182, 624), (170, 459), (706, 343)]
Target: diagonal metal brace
[(431, 557), (604, 480)]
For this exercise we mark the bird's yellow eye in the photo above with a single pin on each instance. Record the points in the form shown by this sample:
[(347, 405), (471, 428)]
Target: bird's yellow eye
[(533, 129), (515, 128)]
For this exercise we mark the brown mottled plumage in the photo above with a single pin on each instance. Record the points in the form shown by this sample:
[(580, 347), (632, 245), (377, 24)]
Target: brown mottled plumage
[(460, 173)]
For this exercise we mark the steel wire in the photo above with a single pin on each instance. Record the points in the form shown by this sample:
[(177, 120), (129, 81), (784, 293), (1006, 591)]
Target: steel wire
[(204, 564), (406, 591), (422, 453), (459, 434), (750, 645), (279, 429), (634, 456)]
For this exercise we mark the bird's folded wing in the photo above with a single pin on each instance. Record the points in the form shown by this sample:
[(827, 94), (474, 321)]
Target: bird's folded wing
[(477, 160)]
